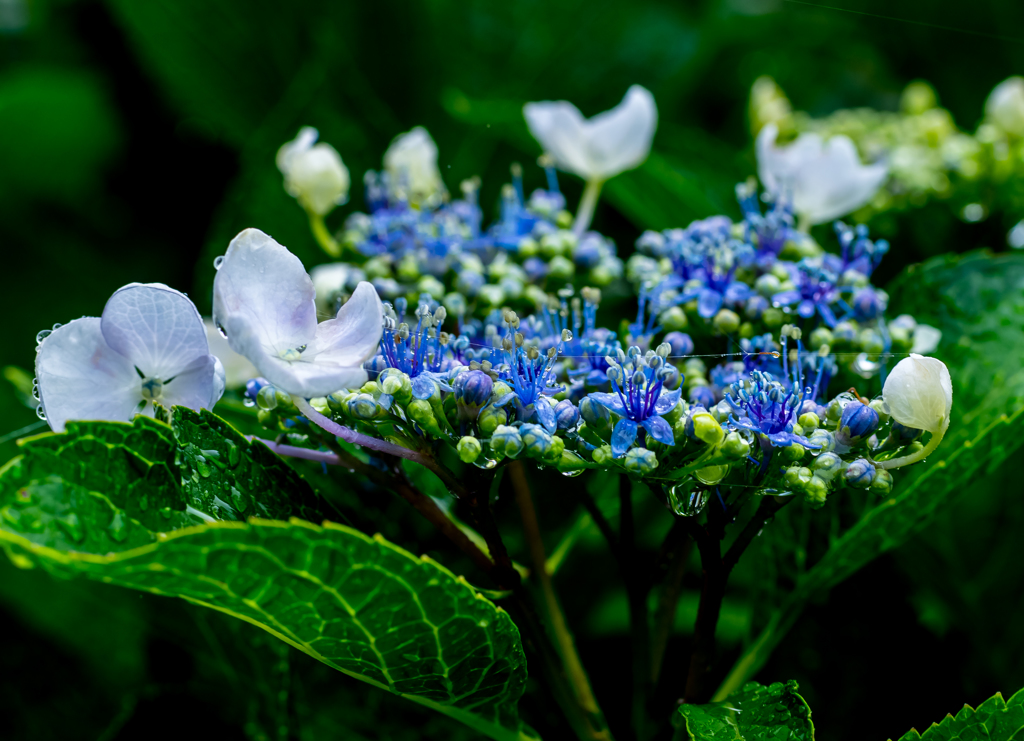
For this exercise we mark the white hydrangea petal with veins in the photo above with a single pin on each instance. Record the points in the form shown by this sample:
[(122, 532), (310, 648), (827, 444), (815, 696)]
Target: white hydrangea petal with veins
[(823, 179), (149, 346), (265, 302), (601, 147)]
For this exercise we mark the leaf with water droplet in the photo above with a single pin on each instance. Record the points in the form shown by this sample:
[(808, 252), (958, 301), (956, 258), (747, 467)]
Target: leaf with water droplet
[(753, 713)]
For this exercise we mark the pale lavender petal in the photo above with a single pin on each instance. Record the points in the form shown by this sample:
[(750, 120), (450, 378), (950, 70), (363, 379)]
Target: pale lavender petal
[(155, 327), (82, 378), (197, 387), (353, 336), (265, 284)]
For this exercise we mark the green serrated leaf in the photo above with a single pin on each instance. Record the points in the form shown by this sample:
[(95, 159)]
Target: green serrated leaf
[(753, 713), (231, 478), (994, 720), (358, 604)]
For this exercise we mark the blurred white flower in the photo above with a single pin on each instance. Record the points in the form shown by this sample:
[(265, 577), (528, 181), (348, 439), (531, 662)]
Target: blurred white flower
[(265, 302), (149, 347), (237, 368), (600, 147), (926, 339), (919, 394), (822, 179), (313, 173), (1005, 106), (331, 279), (411, 161)]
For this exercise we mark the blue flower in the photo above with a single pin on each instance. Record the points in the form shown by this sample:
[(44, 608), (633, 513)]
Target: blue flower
[(530, 373), (816, 291), (858, 252), (419, 352), (769, 232), (639, 397), (768, 410)]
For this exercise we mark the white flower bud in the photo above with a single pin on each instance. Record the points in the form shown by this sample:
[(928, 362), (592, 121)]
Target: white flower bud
[(313, 173), (1005, 106), (919, 394), (411, 160)]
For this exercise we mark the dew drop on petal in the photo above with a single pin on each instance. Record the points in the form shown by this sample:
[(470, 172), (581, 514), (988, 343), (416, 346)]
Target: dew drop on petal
[(218, 261), (40, 412), (42, 335)]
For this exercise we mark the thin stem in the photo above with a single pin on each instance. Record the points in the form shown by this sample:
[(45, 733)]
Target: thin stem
[(588, 202), (381, 446), (906, 460), (476, 496), (291, 451), (637, 585), (577, 675), (322, 235), (601, 521), (665, 614)]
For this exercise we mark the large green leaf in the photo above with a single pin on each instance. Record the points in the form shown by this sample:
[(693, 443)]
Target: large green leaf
[(994, 720), (753, 713), (977, 302), (104, 500)]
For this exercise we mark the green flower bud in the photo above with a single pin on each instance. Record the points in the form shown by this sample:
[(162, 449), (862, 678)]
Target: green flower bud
[(398, 385), (735, 447), (563, 219), (882, 483), (506, 442), (640, 461), (879, 406), (746, 330), (726, 321), (491, 295), (500, 389), (816, 491), (673, 319), (285, 403), (772, 318), (338, 401), (432, 286), (469, 449), (824, 439), (527, 247), (809, 421), (557, 449), (603, 455), (536, 295), (561, 268), (569, 461), (707, 429), (489, 419), (267, 419), (793, 452), (821, 336), (420, 412), (377, 267), (537, 441), (364, 407)]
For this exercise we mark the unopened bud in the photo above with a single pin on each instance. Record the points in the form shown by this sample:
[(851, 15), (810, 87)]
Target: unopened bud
[(469, 449)]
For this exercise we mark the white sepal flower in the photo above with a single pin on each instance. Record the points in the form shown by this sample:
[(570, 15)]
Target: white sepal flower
[(600, 147), (926, 339), (919, 394), (237, 368), (265, 302), (313, 173), (822, 179), (1005, 106), (411, 161), (149, 346)]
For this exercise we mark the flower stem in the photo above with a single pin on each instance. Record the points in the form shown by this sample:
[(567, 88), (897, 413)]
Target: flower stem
[(588, 202), (677, 551), (323, 236), (577, 675), (906, 460), (637, 584)]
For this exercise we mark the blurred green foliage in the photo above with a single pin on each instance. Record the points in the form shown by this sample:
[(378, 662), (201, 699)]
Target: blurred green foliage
[(137, 137)]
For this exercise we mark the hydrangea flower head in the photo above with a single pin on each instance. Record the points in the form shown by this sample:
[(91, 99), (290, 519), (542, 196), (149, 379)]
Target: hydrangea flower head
[(149, 347), (265, 303)]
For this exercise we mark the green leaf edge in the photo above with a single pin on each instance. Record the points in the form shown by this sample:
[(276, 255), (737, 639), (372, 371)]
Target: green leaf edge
[(967, 716), (12, 543)]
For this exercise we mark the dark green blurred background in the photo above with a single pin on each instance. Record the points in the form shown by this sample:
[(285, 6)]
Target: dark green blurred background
[(138, 136)]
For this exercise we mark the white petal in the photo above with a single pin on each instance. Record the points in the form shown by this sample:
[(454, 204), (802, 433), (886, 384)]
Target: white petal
[(353, 336), (302, 143), (620, 139), (919, 393), (329, 280), (301, 378), (926, 339), (156, 328), (1005, 105), (824, 180), (411, 161), (318, 178), (265, 284), (197, 387), (237, 368), (559, 127), (81, 377)]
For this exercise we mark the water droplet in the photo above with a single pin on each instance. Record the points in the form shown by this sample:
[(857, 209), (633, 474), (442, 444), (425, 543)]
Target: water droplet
[(223, 332), (572, 474), (144, 502), (56, 326), (40, 412), (72, 527), (118, 527), (35, 389), (233, 455), (204, 468), (267, 398), (687, 502), (218, 262), (42, 335), (165, 512), (248, 402), (240, 499)]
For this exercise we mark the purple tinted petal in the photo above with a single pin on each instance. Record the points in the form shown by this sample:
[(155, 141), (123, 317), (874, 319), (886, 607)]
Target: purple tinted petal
[(709, 303), (826, 314), (660, 430), (667, 401), (737, 292), (546, 415), (786, 298), (623, 436), (806, 309)]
